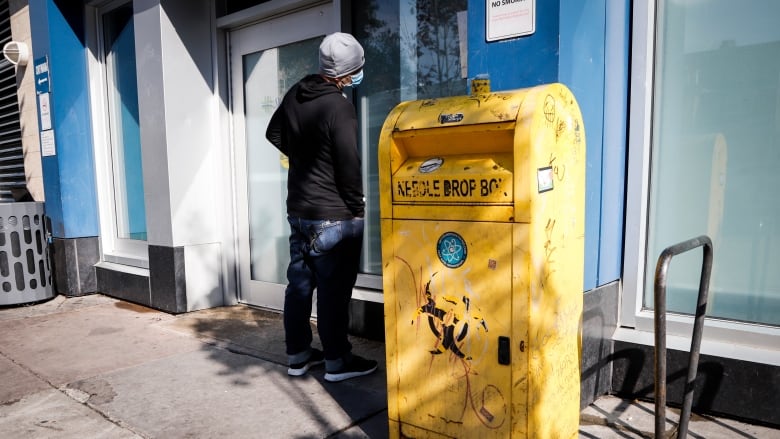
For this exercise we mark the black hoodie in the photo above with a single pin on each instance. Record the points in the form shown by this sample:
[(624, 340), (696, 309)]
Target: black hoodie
[(316, 127)]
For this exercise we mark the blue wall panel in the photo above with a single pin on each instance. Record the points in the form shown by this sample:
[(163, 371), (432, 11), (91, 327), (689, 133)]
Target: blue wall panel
[(69, 176), (615, 141), (39, 31), (519, 62), (569, 47), (582, 33)]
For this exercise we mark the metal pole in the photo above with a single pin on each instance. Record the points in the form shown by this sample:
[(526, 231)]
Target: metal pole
[(662, 267), (698, 327)]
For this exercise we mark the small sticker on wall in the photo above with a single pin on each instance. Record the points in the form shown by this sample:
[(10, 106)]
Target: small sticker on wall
[(47, 143), (544, 179), (44, 109)]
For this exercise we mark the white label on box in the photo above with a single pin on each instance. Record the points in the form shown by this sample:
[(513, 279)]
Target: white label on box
[(544, 179)]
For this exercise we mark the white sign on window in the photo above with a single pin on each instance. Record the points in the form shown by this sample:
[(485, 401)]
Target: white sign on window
[(510, 19)]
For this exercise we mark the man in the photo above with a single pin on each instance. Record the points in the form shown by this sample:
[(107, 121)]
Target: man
[(316, 127)]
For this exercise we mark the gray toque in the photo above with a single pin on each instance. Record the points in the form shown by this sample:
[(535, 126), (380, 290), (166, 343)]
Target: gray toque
[(340, 54)]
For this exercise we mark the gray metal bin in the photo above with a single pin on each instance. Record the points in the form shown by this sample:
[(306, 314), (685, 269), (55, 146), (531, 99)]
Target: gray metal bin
[(25, 274)]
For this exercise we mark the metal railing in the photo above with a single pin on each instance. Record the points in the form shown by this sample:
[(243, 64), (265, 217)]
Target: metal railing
[(660, 332)]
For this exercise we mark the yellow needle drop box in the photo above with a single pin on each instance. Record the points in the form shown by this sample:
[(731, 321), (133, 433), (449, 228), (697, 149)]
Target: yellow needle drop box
[(482, 217)]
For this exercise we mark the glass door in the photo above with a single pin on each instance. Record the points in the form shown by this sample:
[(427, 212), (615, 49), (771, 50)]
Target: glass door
[(266, 59)]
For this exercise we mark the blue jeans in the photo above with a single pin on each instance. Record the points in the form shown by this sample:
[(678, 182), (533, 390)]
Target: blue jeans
[(325, 255)]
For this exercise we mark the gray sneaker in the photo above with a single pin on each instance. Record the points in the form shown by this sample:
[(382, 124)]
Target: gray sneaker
[(315, 359), (356, 367)]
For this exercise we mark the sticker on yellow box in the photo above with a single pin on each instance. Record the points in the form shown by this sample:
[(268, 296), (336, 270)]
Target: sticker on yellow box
[(452, 250)]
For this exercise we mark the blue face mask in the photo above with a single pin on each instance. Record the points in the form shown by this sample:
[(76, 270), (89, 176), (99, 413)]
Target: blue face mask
[(357, 78)]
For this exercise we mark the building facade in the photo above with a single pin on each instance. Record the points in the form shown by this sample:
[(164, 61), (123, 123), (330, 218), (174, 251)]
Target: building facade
[(162, 189)]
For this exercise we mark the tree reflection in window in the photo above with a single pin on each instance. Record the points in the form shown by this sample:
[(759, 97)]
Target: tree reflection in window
[(412, 52), (411, 45), (438, 49)]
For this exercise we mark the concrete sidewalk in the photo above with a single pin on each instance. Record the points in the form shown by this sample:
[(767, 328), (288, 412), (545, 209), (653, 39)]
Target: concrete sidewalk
[(97, 367)]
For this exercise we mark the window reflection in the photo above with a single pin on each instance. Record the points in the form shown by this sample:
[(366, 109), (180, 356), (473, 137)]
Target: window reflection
[(413, 51), (268, 75), (125, 133), (716, 145)]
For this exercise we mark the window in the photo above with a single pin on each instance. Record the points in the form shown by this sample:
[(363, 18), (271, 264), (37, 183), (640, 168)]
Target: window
[(123, 120), (118, 137), (414, 50), (714, 154), (227, 7), (704, 143)]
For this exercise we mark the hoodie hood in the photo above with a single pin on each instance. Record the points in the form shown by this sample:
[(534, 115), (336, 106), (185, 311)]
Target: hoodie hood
[(314, 86)]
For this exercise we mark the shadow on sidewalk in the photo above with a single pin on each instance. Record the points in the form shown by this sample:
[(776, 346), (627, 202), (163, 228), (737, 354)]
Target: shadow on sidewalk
[(259, 334)]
